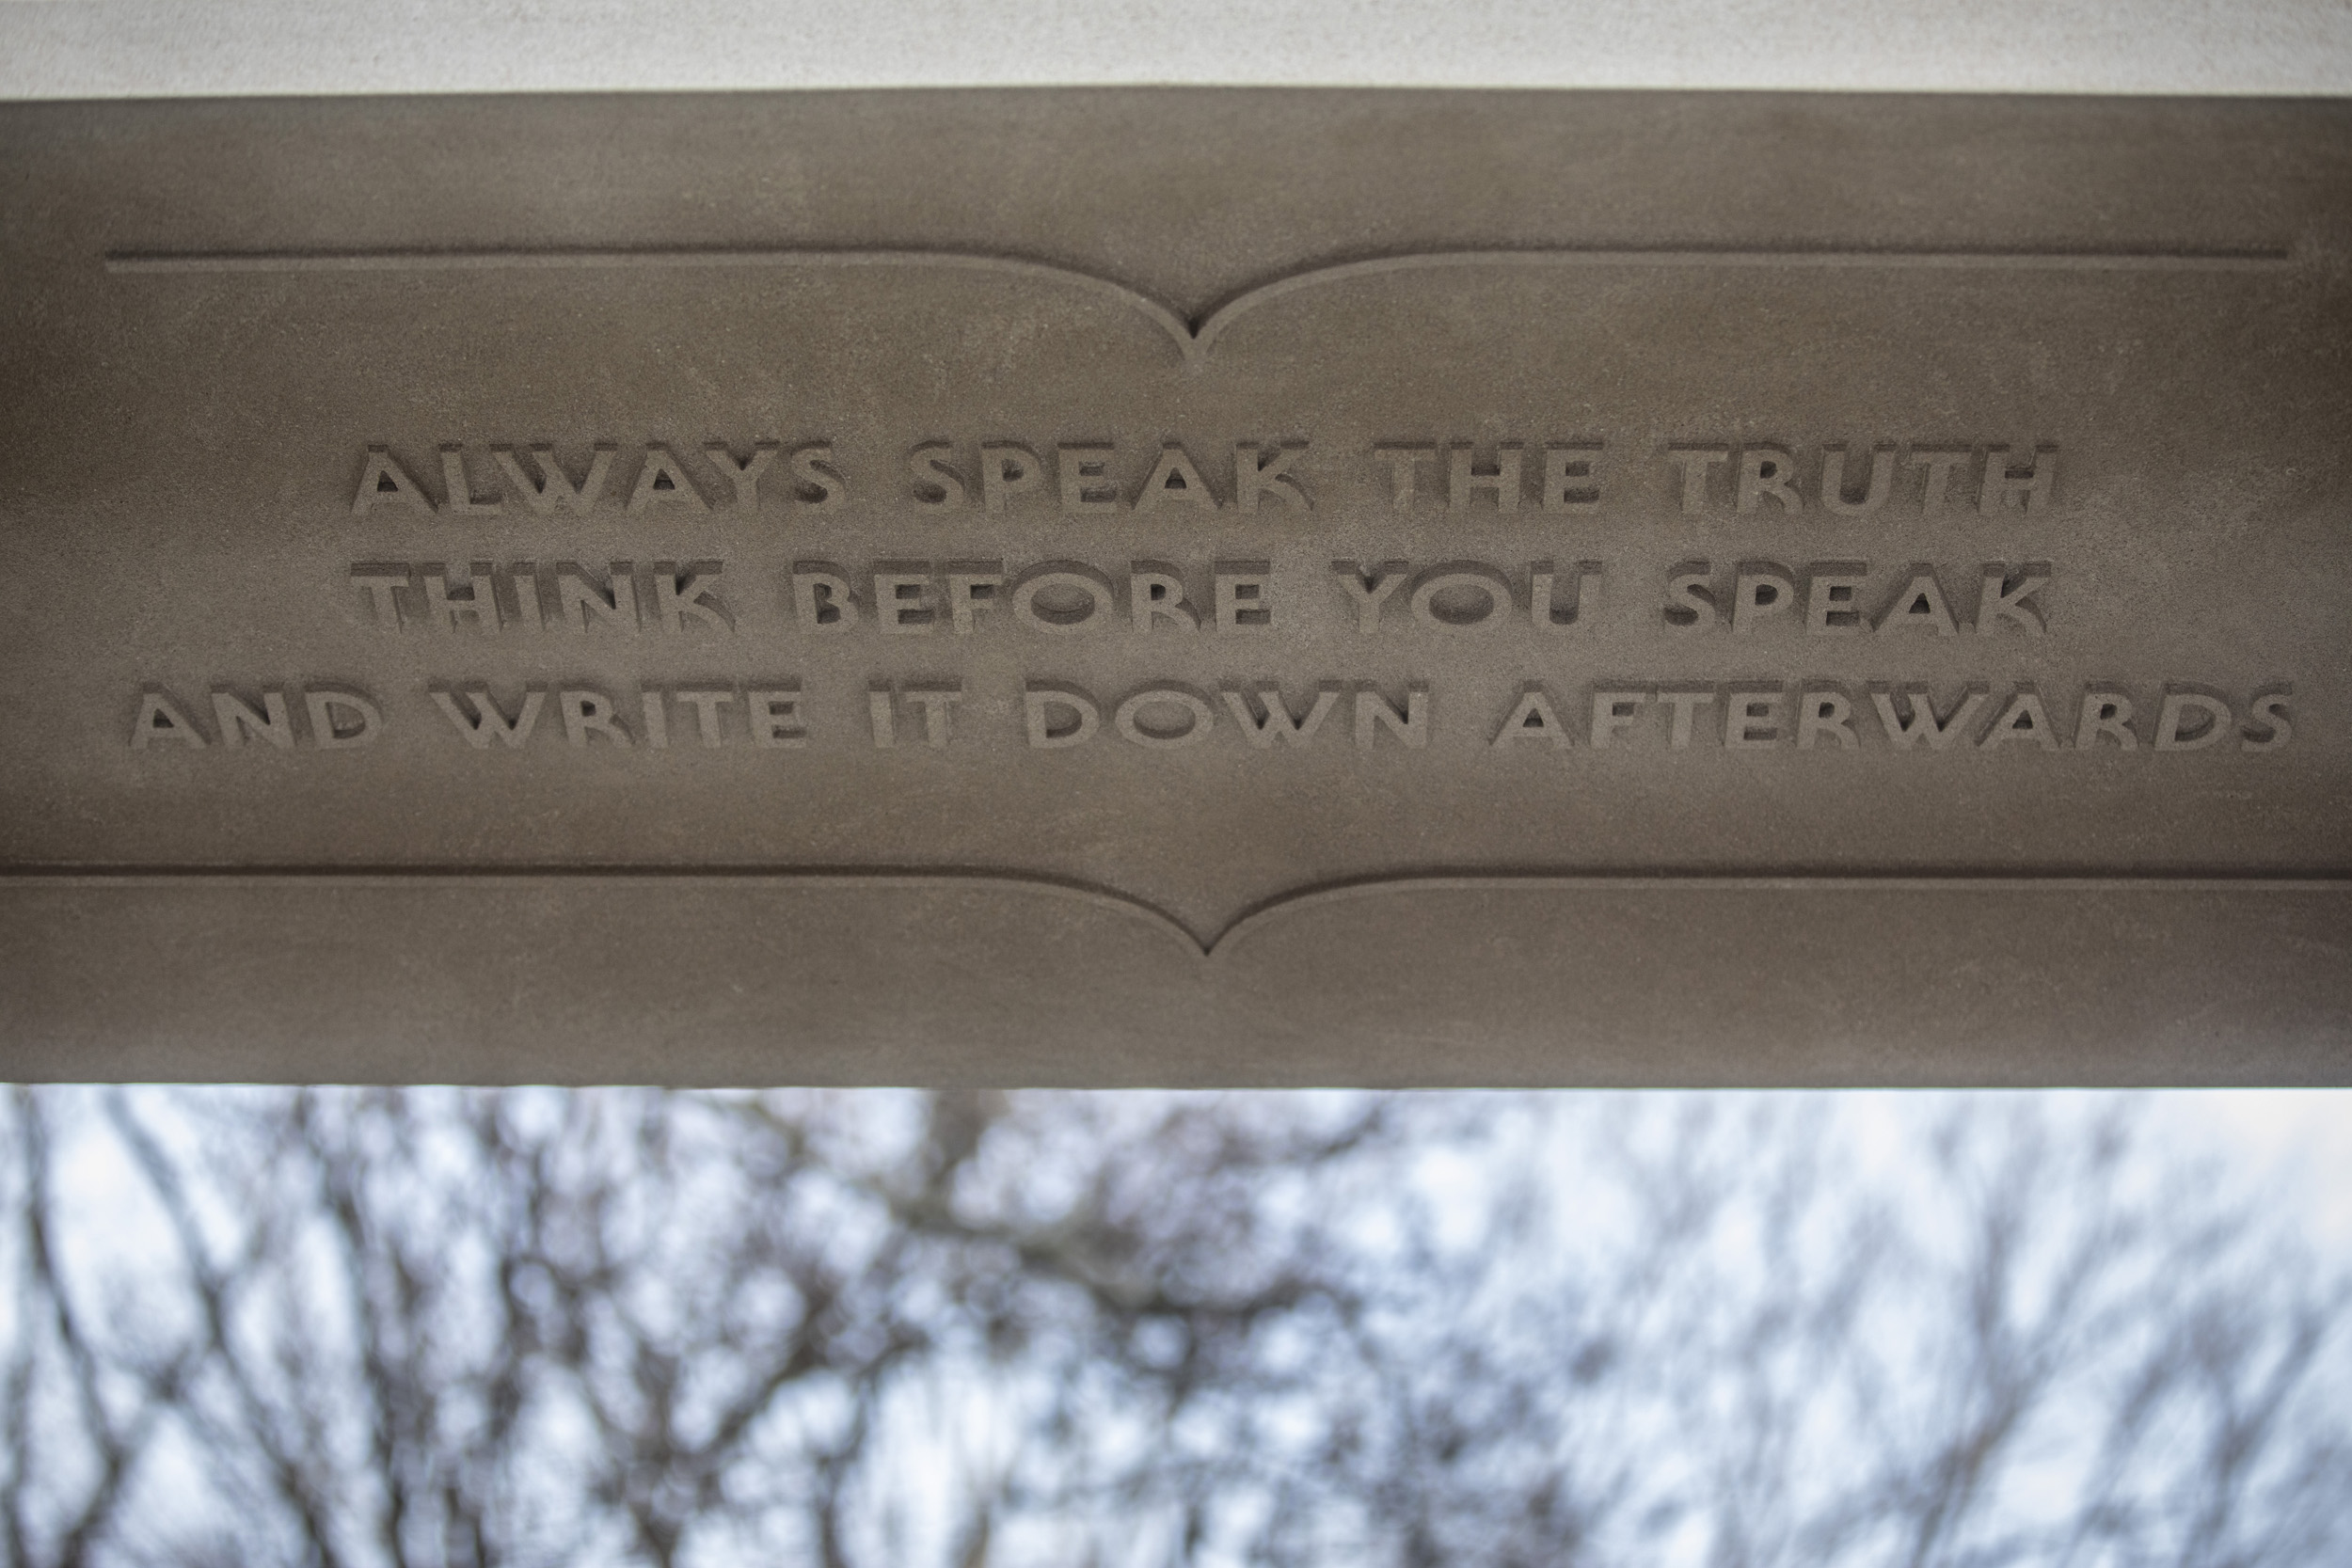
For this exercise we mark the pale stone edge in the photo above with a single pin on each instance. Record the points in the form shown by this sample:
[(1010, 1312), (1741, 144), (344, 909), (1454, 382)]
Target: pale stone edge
[(80, 48)]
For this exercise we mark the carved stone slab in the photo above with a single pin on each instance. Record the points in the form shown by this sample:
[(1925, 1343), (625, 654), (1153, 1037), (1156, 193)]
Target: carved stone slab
[(1177, 587)]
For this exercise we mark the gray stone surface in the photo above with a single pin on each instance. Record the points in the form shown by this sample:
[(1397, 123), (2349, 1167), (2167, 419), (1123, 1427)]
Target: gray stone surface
[(281, 374)]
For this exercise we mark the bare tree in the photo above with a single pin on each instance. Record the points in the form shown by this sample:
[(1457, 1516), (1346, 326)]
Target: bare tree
[(412, 1327)]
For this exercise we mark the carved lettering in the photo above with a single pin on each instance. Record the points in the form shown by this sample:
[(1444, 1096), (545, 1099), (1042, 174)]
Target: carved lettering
[(1825, 712), (237, 720), (529, 614), (776, 718), (1754, 719), (1924, 724), (661, 480), (160, 722), (470, 602), (934, 700), (821, 600), (815, 483), (1083, 476), (553, 490), (1829, 588), (383, 582), (2106, 716), (1835, 497), (1694, 463), (1939, 464), (342, 719), (1533, 717), (2267, 727), (1058, 716), (902, 599), (2003, 483), (1155, 593), (460, 488), (1691, 596), (1685, 703), (579, 599), (1006, 470), (1543, 605), (705, 701), (1761, 590), (588, 713), (1570, 482), (686, 593), (1614, 712), (2191, 719), (937, 486), (338, 719), (1369, 590), (1272, 720), (1267, 470), (1061, 597), (1465, 478), (1767, 471), (1243, 596), (1461, 595), (1149, 718), (2024, 718), (1374, 712), (1404, 470), (1919, 606), (487, 722), (743, 475), (383, 483), (1174, 478), (970, 588), (2003, 596)]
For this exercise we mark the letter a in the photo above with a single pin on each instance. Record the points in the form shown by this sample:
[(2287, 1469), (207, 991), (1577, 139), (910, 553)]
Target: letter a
[(1534, 718), (383, 483), (159, 721)]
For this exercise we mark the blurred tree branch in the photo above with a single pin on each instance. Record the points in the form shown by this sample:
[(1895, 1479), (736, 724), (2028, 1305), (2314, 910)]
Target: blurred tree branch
[(453, 1329)]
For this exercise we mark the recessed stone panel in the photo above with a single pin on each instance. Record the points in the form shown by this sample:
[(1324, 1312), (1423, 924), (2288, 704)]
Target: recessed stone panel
[(1179, 586)]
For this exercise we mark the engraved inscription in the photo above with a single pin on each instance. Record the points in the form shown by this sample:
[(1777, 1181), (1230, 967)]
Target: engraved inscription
[(729, 522)]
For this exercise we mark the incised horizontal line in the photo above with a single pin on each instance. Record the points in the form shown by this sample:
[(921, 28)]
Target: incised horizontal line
[(1210, 943), (1195, 335)]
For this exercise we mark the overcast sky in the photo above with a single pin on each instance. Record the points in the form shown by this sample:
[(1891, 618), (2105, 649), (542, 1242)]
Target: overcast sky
[(112, 48)]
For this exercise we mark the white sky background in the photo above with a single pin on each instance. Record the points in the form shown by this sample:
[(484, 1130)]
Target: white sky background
[(141, 48), (2303, 1137), (138, 48)]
